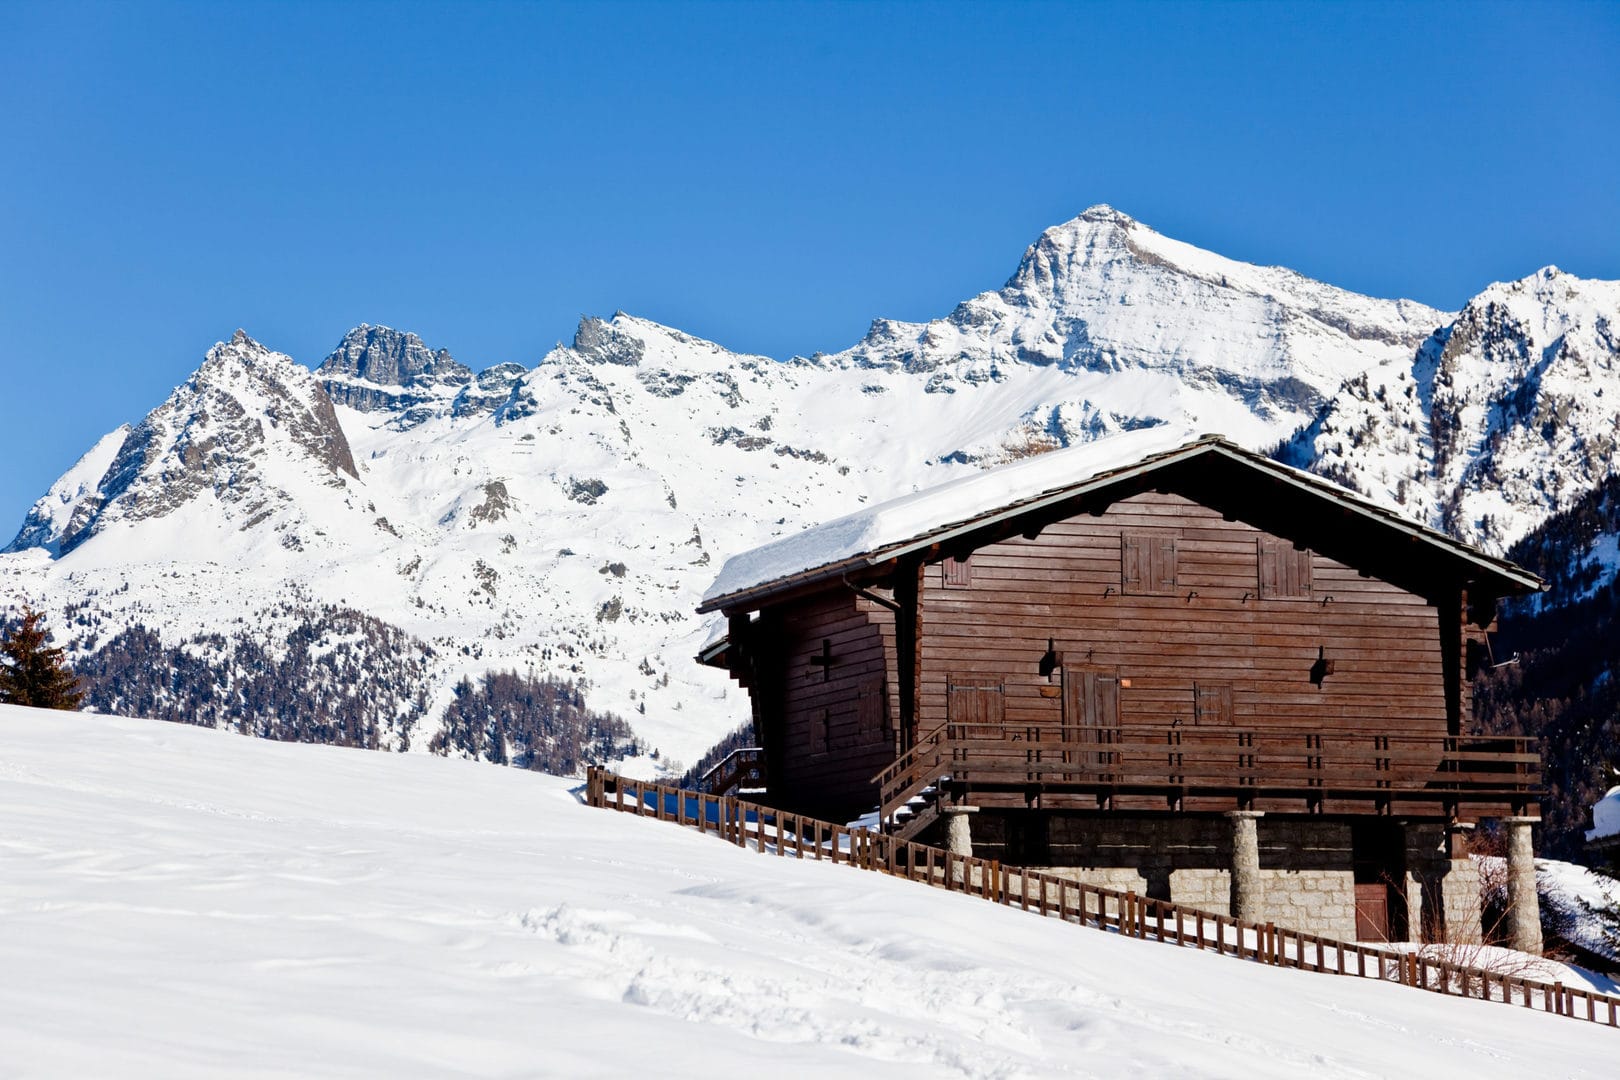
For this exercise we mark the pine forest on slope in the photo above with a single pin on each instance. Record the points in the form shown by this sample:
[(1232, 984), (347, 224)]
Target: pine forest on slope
[(377, 551)]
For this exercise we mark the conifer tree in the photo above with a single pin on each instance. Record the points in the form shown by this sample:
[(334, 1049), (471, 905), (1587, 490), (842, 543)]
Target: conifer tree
[(32, 672)]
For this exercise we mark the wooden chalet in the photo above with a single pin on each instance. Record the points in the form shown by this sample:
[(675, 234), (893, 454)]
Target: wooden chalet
[(1181, 669)]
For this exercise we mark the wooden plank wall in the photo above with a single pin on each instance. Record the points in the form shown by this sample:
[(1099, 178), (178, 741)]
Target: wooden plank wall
[(834, 735), (1213, 629)]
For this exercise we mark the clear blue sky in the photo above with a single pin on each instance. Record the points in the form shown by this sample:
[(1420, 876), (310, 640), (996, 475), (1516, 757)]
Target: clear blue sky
[(769, 176)]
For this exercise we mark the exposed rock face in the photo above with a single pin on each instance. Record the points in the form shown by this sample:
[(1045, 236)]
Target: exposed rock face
[(244, 410), (488, 391), (375, 369), (602, 343)]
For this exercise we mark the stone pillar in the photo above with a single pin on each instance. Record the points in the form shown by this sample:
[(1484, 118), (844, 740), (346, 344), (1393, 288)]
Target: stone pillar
[(959, 836), (1524, 907), (1464, 922), (1248, 892)]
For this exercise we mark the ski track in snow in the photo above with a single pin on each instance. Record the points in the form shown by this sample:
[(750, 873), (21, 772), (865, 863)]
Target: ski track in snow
[(179, 902)]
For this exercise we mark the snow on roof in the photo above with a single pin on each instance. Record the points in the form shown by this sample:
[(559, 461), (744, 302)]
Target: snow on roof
[(888, 527), (925, 511), (1606, 816)]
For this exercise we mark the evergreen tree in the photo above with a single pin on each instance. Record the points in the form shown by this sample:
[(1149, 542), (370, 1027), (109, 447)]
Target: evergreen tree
[(31, 671)]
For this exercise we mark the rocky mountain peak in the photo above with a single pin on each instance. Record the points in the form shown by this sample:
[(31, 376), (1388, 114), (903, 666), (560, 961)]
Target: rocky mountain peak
[(1103, 214), (389, 357), (599, 341), (245, 412), (380, 369)]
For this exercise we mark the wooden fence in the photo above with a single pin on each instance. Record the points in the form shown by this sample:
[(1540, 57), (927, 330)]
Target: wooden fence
[(748, 824)]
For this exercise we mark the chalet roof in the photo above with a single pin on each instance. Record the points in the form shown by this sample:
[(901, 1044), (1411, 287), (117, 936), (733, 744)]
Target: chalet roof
[(874, 535)]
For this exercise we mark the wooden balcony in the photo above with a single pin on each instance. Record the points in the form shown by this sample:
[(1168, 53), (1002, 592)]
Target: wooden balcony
[(1193, 769)]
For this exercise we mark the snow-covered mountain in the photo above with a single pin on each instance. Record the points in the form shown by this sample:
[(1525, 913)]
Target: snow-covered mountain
[(563, 519), (1153, 329), (1503, 417)]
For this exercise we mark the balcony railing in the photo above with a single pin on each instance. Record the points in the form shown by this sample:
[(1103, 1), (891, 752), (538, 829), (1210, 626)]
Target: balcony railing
[(1238, 762)]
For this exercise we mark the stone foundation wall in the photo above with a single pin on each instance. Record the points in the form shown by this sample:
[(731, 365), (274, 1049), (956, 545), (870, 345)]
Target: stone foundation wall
[(1442, 893), (1306, 866)]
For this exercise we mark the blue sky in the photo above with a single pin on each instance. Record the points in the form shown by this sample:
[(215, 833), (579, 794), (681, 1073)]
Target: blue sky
[(769, 176)]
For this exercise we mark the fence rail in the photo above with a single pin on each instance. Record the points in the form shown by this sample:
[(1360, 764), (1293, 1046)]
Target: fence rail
[(748, 824)]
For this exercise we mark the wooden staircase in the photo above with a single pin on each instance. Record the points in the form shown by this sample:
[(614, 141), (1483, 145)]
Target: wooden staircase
[(909, 788), (914, 818), (741, 770)]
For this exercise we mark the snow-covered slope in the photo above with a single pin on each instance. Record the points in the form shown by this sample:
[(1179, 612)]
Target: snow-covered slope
[(180, 903), (57, 513), (565, 519), (1504, 417)]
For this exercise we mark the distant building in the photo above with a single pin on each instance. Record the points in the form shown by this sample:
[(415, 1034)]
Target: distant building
[(1604, 838), (1180, 669)]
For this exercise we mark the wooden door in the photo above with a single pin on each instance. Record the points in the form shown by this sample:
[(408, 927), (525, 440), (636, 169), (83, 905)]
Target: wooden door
[(1372, 912), (1090, 715), (1378, 860)]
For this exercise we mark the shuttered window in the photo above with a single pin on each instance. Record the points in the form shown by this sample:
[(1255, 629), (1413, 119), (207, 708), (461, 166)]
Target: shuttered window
[(1212, 705), (873, 711), (820, 731), (1147, 564), (975, 701), (1285, 570), (958, 573)]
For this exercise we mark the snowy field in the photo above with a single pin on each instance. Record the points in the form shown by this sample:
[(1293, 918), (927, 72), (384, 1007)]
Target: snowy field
[(180, 902)]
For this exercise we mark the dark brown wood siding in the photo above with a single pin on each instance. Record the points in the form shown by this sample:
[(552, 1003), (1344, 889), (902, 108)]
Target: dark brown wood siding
[(1205, 622), (832, 726)]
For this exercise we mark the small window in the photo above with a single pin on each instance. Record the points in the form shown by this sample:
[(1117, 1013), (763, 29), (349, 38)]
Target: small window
[(978, 702), (1285, 570), (1147, 564), (958, 572), (1212, 705)]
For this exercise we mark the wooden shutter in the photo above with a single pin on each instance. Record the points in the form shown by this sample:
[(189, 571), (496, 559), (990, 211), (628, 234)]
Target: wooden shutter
[(976, 703), (1212, 705), (873, 711), (958, 572), (1270, 571), (1132, 556), (1090, 714), (1147, 564), (1285, 570), (1164, 564), (820, 731), (1301, 566)]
